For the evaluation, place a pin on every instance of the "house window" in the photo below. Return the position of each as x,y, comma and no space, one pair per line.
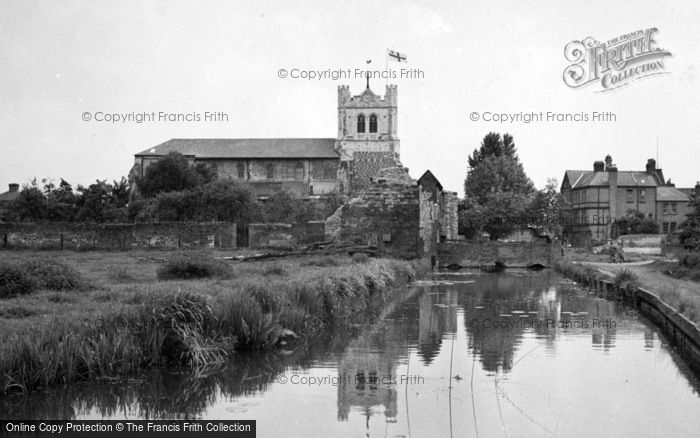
642,195
666,207
361,123
269,171
373,123
673,227
240,170
299,171
630,196
673,208
665,227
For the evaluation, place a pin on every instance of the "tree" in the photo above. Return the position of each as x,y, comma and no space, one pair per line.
172,173
493,146
119,196
223,200
30,204
60,201
286,207
94,201
497,190
634,222
547,209
690,229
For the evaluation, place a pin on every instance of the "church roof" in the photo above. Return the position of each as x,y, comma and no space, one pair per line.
247,148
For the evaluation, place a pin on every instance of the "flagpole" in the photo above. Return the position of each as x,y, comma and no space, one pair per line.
386,60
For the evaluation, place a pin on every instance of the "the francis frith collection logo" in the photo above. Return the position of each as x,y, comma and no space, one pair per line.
616,62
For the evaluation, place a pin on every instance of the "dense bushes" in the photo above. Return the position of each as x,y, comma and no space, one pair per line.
690,260
359,258
191,266
688,266
53,275
14,280
98,202
581,273
25,277
626,279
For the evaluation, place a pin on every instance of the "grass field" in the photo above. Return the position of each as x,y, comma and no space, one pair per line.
126,316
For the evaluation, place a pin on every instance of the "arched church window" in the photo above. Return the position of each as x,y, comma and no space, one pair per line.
361,123
299,171
373,123
269,171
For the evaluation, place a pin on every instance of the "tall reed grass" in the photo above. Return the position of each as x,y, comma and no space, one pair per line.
198,330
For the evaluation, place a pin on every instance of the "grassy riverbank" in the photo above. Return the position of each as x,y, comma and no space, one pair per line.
133,310
682,295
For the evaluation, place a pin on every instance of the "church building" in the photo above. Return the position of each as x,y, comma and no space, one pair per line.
366,143
383,206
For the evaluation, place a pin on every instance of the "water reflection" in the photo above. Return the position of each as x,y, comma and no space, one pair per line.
512,353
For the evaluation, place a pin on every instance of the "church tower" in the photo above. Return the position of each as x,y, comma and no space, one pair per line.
367,122
367,140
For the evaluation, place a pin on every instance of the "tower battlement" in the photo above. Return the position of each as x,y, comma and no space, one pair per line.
367,122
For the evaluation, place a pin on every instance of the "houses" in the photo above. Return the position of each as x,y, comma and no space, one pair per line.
6,199
600,196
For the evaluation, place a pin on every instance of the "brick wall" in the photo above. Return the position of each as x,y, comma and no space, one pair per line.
93,236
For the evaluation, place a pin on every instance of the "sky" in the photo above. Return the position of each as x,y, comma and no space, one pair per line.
59,60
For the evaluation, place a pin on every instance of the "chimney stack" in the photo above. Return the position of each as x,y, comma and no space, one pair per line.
608,161
651,166
14,188
598,166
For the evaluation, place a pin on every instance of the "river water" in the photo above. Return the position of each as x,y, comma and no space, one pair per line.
464,354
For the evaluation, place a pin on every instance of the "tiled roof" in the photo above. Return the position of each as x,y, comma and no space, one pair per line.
671,194
8,196
583,178
247,148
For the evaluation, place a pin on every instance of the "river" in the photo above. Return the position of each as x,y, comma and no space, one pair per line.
463,354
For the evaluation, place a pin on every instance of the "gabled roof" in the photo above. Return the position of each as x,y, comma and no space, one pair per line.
428,177
247,148
670,194
588,178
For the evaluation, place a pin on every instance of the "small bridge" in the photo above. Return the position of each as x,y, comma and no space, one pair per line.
472,254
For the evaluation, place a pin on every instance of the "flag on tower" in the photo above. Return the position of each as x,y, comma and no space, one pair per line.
396,56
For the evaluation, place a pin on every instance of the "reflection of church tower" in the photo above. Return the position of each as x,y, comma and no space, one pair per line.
368,380
367,140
